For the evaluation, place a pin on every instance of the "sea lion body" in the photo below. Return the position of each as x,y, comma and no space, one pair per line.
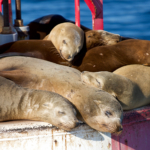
68,39
33,48
110,58
21,103
129,84
99,109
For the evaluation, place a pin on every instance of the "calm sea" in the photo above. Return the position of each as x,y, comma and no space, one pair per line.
125,17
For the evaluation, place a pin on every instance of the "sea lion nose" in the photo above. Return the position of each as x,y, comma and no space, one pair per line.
77,122
69,57
124,38
120,129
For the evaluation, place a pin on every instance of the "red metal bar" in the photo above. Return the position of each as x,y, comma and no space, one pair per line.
1,2
96,8
10,10
77,12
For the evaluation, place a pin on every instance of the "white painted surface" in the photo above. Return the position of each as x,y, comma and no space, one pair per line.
7,38
31,135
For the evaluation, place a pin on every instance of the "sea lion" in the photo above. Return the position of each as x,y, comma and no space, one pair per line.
21,103
101,38
99,109
42,26
110,58
129,84
33,48
68,39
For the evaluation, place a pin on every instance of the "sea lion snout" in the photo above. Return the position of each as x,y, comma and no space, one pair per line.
90,79
118,131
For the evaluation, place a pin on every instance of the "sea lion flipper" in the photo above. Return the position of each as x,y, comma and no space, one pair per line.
18,76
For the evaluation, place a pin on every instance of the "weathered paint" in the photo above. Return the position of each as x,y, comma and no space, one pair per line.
96,8
136,131
10,10
25,135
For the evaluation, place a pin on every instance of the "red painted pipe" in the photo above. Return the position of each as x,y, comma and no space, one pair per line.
96,8
77,12
1,2
10,10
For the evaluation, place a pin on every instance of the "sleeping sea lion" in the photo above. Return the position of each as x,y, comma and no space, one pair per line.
96,38
68,39
110,58
99,109
21,103
129,84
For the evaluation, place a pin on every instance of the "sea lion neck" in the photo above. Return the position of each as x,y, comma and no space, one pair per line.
77,61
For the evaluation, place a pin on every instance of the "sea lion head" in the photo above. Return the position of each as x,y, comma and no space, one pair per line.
68,40
58,111
108,115
117,85
95,79
100,38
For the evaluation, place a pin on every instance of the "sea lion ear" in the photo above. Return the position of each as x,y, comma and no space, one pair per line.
98,102
20,77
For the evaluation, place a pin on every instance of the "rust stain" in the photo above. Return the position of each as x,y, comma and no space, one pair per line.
55,143
23,132
65,143
52,139
109,145
126,142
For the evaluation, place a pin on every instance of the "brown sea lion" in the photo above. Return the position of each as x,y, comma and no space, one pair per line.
21,103
99,109
129,84
42,26
110,58
33,48
101,38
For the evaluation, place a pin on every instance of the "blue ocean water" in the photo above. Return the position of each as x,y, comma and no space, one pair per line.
125,17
